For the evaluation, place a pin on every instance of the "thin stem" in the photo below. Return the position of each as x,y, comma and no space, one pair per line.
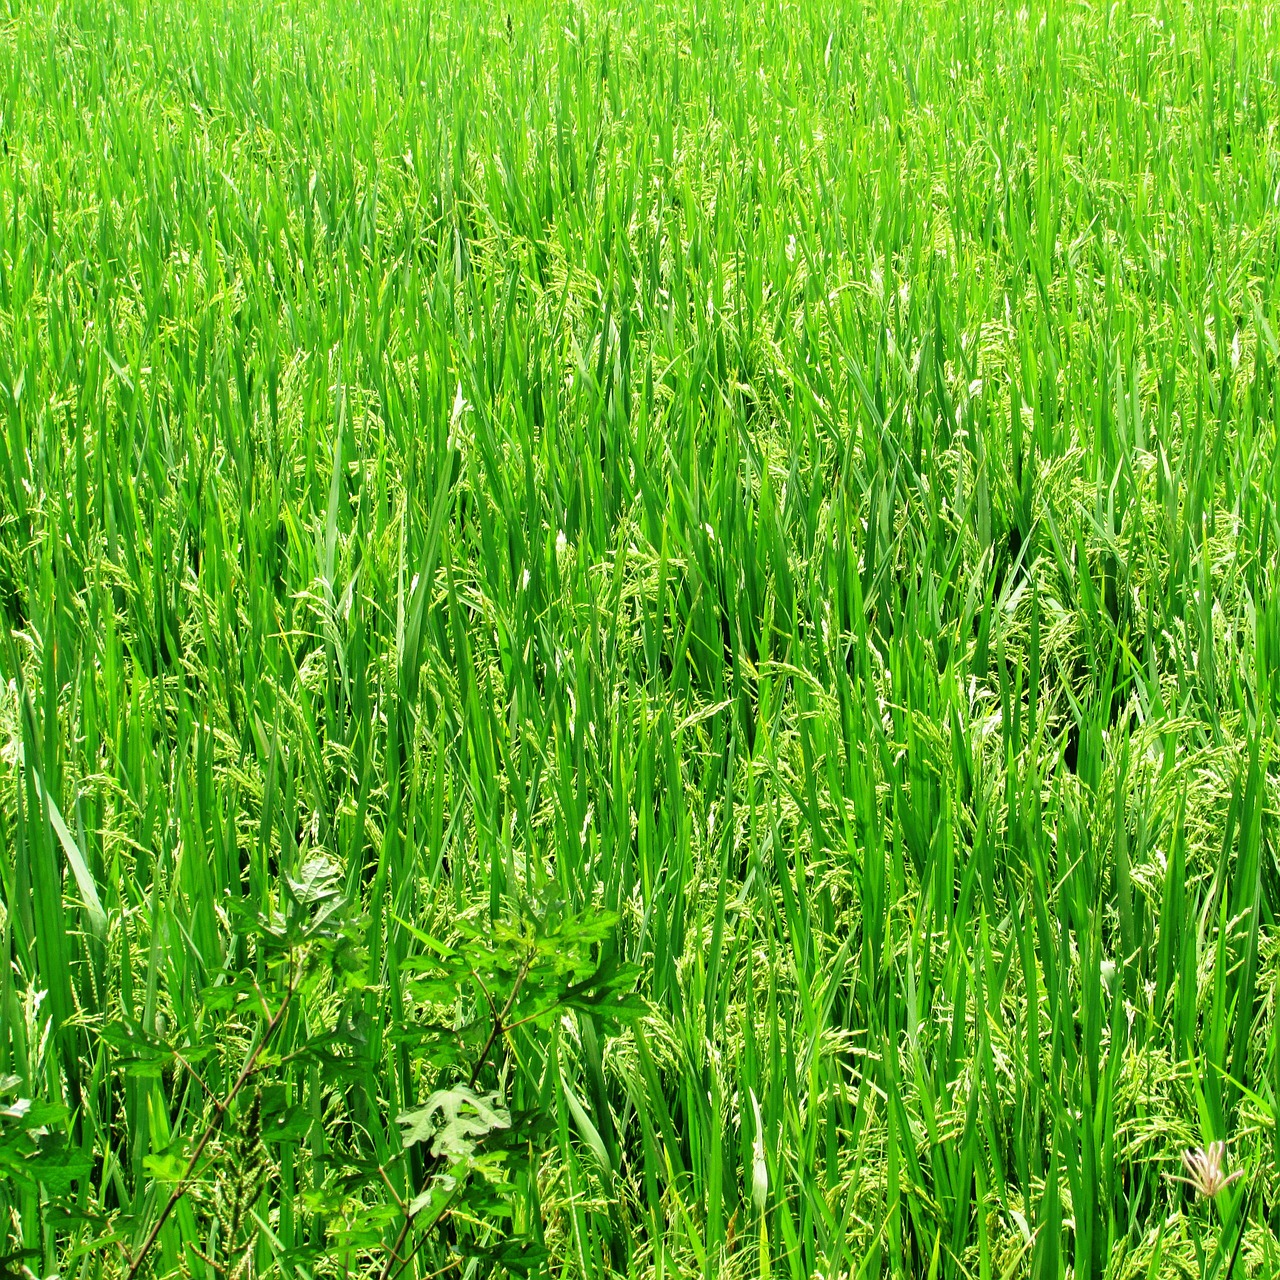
413,1253
1244,1222
499,1019
220,1109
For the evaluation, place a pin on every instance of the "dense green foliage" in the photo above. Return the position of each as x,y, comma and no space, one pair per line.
638,642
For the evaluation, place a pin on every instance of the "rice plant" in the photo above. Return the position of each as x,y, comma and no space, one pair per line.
639,641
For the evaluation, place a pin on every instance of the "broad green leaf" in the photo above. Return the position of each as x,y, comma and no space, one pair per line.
452,1121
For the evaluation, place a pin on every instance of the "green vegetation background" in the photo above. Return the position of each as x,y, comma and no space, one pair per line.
762,517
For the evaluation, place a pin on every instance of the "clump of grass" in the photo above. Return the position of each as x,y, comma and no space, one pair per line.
774,505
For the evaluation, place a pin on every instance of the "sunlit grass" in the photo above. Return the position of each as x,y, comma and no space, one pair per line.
802,478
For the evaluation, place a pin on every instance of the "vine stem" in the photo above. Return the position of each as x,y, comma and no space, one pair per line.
499,1026
220,1109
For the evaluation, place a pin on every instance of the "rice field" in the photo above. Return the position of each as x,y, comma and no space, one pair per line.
639,641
